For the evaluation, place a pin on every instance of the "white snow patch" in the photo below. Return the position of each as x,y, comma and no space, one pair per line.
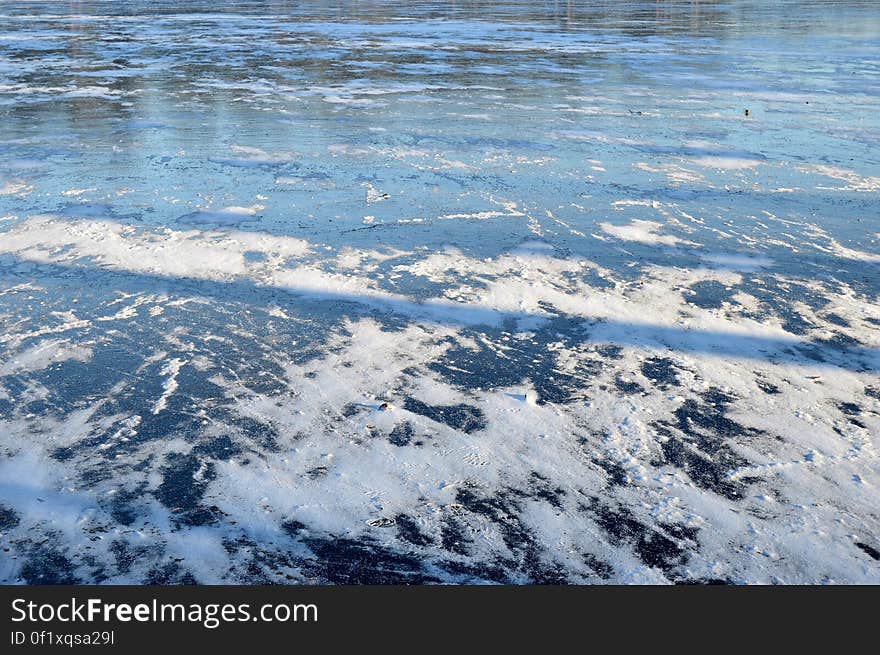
170,369
855,182
641,231
43,355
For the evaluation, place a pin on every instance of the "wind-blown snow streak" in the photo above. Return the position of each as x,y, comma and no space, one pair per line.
517,294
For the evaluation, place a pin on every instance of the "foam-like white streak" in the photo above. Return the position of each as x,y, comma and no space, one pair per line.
169,386
210,255
233,214
727,163
673,172
249,156
737,262
44,354
68,320
855,182
15,188
89,91
351,102
838,249
641,231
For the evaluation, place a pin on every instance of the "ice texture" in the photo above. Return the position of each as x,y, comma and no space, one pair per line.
428,292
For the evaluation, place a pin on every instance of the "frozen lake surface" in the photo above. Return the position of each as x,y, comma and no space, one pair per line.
439,292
